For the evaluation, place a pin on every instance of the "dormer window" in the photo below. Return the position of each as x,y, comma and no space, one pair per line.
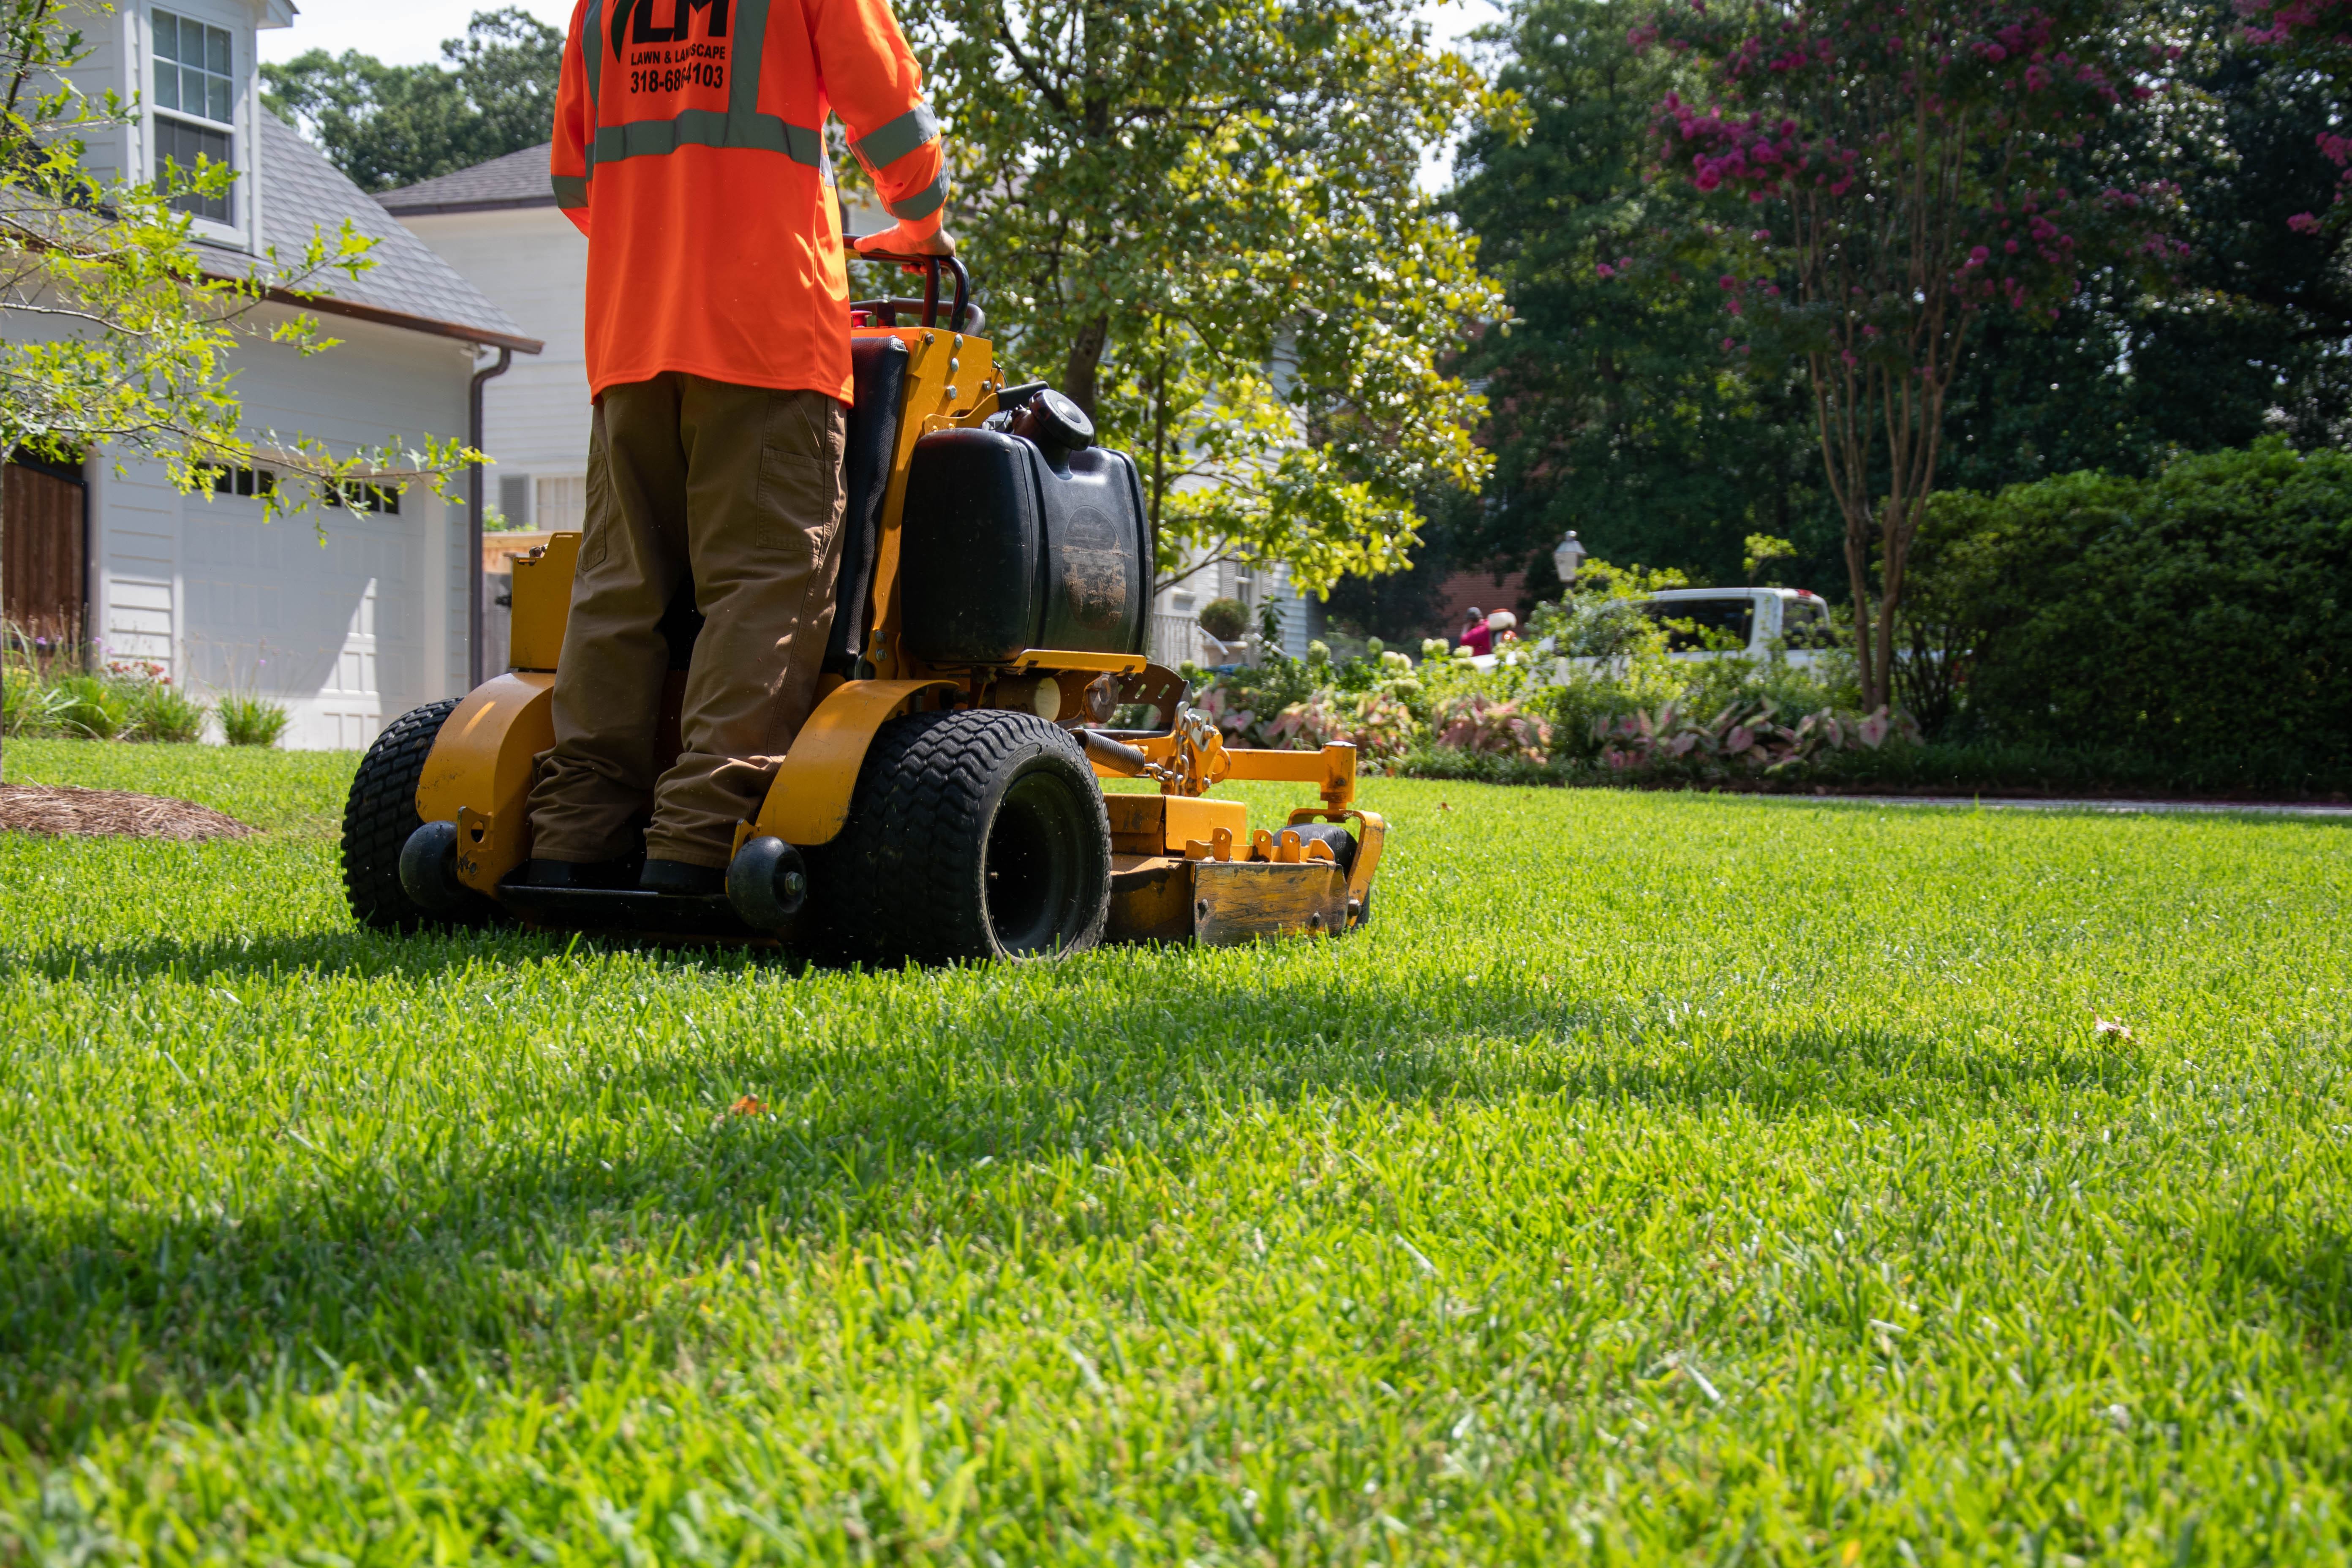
194,94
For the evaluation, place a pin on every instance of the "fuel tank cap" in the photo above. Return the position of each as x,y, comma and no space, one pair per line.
1052,420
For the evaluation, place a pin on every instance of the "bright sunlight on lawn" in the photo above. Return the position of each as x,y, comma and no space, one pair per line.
1660,1172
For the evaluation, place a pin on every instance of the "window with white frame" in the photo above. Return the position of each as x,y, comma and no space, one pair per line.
194,99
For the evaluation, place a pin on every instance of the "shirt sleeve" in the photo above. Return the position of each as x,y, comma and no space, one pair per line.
575,120
877,88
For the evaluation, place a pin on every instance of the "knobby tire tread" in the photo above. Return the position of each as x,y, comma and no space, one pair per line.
906,876
380,814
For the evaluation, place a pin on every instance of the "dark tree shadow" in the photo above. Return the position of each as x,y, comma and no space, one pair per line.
436,1253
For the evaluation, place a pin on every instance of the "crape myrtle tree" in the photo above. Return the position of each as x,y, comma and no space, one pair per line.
2255,338
1884,177
1201,220
118,339
2313,35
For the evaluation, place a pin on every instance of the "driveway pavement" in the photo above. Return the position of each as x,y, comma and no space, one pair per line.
2114,807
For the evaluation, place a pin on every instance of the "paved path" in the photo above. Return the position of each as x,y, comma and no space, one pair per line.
2119,807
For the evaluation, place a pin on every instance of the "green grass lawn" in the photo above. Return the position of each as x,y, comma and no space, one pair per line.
1661,1177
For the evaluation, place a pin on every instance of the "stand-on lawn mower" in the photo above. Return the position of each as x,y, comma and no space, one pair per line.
943,800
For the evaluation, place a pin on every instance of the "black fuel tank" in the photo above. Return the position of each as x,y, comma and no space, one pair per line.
1003,550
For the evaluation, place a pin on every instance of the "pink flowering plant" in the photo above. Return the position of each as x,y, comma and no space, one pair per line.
1743,738
1380,726
2315,36
1881,178
1482,725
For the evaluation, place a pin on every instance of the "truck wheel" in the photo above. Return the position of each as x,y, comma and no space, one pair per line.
379,818
976,833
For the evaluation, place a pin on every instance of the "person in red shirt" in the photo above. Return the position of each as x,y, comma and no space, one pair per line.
1477,634
690,150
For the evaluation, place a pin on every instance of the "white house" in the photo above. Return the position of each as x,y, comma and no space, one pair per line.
349,630
498,224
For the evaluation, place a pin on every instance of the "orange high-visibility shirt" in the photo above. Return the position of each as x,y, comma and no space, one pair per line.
690,148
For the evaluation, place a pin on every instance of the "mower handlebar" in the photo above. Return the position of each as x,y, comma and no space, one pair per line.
930,265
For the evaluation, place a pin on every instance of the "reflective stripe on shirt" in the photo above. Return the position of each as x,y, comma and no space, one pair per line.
884,147
923,202
741,124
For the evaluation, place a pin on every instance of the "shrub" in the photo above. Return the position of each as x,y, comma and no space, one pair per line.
1380,726
1746,737
152,708
1477,723
88,707
29,705
249,720
1224,619
1544,711
2200,615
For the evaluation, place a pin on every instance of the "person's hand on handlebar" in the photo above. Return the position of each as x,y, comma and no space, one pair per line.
903,239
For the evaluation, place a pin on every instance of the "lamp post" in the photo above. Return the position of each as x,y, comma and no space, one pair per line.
1567,557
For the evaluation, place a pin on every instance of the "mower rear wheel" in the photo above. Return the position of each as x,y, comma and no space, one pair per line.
378,819
975,833
1342,845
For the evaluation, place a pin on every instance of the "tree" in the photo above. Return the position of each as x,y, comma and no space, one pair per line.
388,126
1883,179
2313,36
2252,339
118,337
1203,220
1612,412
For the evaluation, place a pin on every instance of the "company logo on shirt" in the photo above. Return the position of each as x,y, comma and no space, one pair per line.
633,21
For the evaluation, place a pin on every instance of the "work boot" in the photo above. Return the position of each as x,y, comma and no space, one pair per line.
620,873
683,878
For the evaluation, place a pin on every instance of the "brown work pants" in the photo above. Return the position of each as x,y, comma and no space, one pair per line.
741,486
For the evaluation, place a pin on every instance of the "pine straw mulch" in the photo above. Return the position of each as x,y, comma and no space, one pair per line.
65,810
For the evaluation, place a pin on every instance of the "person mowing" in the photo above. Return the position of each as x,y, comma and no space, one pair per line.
689,149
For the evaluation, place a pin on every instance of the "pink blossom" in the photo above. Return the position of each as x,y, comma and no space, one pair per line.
1605,271
2304,223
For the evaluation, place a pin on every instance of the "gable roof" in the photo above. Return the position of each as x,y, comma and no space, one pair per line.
409,286
517,180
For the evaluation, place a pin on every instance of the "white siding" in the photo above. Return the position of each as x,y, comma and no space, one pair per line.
121,61
533,265
348,621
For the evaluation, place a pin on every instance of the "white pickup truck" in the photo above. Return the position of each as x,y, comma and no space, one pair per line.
1754,618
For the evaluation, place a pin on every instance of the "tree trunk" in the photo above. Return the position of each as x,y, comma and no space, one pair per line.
1084,359
1857,575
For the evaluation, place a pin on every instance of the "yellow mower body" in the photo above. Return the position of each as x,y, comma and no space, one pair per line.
1182,865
